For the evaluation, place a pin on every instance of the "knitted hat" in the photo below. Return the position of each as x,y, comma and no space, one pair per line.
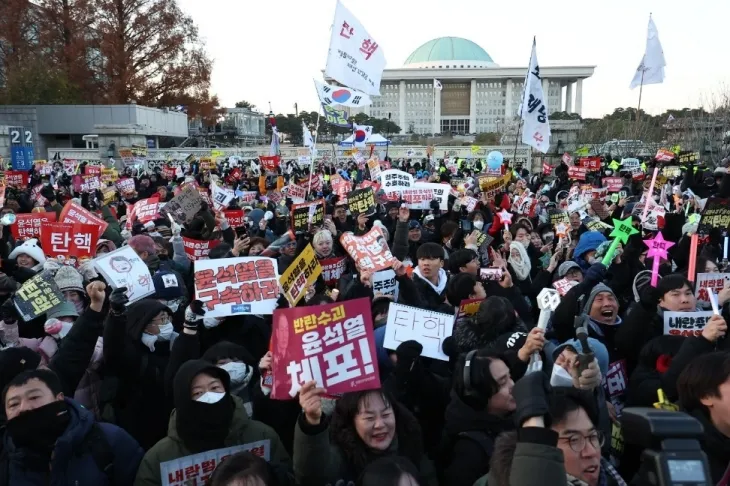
140,243
107,244
167,285
30,248
14,361
64,309
68,278
592,296
565,267
598,348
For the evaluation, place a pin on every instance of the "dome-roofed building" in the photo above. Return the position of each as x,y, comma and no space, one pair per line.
476,96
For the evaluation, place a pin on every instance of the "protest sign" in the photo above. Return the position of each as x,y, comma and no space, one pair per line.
369,251
28,225
361,201
558,216
247,196
429,328
716,214
16,178
685,323
671,171
109,194
299,275
37,295
332,269
440,192
235,286
467,308
270,163
74,213
304,215
90,183
109,175
35,195
630,163
374,168
685,157
125,185
546,169
706,281
198,249
70,244
184,206
143,211
664,155
564,285
491,186
124,268
235,217
613,184
331,344
207,163
196,469
590,163
385,284
296,193
395,180
168,172
339,185
221,197
469,203
577,173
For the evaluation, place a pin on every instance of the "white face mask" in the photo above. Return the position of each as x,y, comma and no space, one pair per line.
165,332
173,305
479,224
560,377
239,372
210,397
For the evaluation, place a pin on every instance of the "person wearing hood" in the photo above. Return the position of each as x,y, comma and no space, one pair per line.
207,417
427,289
257,216
170,290
51,439
137,341
29,255
585,250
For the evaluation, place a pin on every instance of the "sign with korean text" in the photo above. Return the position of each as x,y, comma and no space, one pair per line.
125,185
90,183
247,196
16,178
564,285
184,206
686,323
339,185
331,344
207,163
385,284
590,163
143,211
374,168
37,296
361,201
237,286
332,269
110,175
685,157
577,173
124,268
196,469
296,193
198,249
109,194
664,155
235,217
270,163
467,308
299,275
491,186
613,184
92,170
671,171
74,213
70,244
221,196
429,328
369,251
304,215
28,225
716,214
706,281
395,180
615,383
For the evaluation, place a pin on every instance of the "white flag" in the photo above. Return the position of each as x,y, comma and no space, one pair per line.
361,134
307,137
437,84
340,95
536,128
651,68
355,59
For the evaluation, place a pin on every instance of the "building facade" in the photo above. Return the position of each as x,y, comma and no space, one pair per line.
237,126
477,95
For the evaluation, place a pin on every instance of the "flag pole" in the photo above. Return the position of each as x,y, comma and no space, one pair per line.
517,139
311,152
641,89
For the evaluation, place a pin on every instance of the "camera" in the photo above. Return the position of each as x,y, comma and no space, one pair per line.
672,455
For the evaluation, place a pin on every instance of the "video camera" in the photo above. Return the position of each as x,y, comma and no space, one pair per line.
672,455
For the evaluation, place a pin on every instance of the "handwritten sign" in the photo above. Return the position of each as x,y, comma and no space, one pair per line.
407,323
124,268
706,281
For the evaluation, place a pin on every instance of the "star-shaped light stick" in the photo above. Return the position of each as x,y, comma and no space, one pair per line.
505,218
620,234
657,249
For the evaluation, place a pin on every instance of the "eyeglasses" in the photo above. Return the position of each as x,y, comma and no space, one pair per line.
578,442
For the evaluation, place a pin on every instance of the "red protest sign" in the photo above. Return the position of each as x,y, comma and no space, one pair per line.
331,344
235,217
198,249
577,173
92,170
74,213
70,244
16,178
29,225
332,269
168,173
370,251
613,184
591,163
144,210
546,169
270,163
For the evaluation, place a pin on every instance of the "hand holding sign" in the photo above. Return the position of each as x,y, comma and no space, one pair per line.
658,247
622,230
505,218
547,300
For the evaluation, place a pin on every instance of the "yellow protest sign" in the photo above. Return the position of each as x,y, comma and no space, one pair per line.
300,275
216,153
109,175
207,163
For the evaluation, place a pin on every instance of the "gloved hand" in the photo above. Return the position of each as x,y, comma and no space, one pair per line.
194,313
531,393
118,300
589,379
648,298
126,234
408,351
88,271
8,312
176,229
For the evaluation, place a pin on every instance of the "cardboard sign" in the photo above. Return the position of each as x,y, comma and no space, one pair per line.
685,323
184,206
385,284
577,173
429,328
304,215
369,251
714,281
196,469
395,180
613,184
198,249
70,244
332,269
28,225
124,268
467,308
74,213
16,178
564,285
716,214
37,295
299,275
590,163
236,286
331,344
361,201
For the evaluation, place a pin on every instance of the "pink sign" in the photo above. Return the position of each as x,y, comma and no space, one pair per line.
332,269
613,184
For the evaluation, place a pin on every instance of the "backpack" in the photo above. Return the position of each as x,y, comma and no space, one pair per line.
95,443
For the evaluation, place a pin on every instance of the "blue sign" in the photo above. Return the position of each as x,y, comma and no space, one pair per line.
150,143
21,148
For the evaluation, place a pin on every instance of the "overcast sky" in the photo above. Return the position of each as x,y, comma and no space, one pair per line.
270,51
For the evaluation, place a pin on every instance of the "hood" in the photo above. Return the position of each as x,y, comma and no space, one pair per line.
139,314
443,279
227,349
255,217
462,418
589,241
238,425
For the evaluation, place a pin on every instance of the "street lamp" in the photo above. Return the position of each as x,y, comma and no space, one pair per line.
111,150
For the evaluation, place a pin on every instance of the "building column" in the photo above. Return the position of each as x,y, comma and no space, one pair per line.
569,98
473,107
437,112
560,98
579,97
508,113
402,107
546,94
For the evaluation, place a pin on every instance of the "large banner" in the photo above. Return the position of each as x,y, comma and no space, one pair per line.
299,275
429,328
124,268
235,286
70,244
331,344
370,251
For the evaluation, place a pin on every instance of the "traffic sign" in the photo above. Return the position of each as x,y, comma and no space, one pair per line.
21,148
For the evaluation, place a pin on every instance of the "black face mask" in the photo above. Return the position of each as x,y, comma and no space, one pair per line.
204,426
40,428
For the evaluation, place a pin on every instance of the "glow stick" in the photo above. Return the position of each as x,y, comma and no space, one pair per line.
692,257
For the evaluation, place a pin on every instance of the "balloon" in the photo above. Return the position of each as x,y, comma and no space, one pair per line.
494,159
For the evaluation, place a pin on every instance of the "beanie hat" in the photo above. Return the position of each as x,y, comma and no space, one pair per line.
14,361
167,285
140,243
68,278
592,296
30,248
64,309
598,348
565,267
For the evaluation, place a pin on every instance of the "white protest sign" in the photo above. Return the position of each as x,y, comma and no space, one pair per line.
124,268
563,285
706,281
685,323
221,197
296,193
429,328
630,163
395,180
384,283
197,468
374,167
440,192
237,286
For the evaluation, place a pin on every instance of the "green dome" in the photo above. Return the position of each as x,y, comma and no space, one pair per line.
444,49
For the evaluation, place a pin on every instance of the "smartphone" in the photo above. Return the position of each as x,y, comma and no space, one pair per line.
491,273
